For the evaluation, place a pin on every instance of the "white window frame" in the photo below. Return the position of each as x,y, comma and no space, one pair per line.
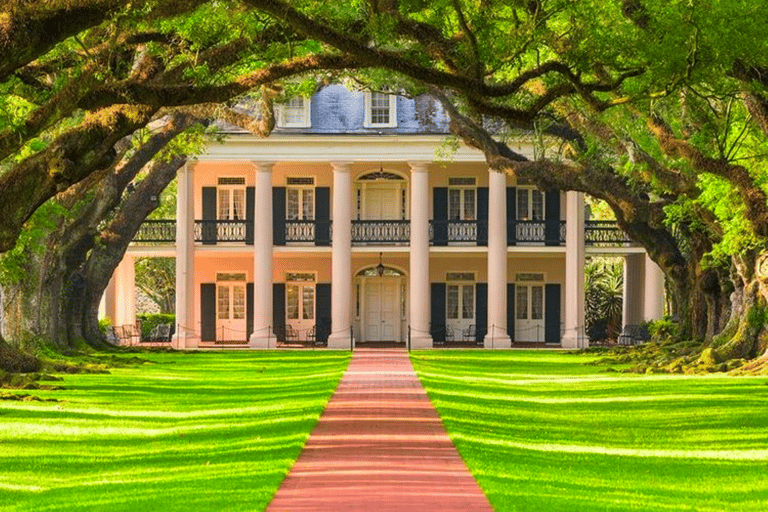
392,111
302,191
306,114
529,193
231,188
463,214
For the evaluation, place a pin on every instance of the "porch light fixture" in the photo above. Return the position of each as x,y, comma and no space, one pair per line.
380,267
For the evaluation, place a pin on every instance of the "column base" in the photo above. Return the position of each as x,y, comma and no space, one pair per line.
340,342
572,340
179,342
498,340
421,343
261,342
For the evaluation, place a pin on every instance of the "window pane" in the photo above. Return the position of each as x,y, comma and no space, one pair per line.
223,302
294,111
308,204
454,204
468,301
238,204
292,204
223,204
452,302
521,303
537,302
292,302
522,204
379,108
308,303
469,204
238,302
537,205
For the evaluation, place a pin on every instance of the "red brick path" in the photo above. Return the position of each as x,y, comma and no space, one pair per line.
379,446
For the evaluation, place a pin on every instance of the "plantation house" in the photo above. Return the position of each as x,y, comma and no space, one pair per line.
343,224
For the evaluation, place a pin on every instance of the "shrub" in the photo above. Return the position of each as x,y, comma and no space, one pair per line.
151,320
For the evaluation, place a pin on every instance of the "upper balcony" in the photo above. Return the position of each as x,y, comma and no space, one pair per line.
385,233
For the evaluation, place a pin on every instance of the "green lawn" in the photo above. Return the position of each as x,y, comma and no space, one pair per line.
541,431
188,431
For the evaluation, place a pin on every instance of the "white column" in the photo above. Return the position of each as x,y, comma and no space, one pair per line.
497,336
263,333
125,292
574,336
633,294
653,308
186,335
107,304
341,258
419,257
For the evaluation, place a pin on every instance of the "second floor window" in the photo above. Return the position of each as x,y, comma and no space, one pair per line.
231,199
462,204
300,199
530,204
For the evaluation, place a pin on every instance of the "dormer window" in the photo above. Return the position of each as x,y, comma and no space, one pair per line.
294,114
380,110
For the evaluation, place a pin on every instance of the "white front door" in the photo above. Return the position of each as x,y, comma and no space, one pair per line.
381,310
230,312
529,312
300,307
460,309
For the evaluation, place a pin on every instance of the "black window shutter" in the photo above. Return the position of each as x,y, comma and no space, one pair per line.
482,216
207,312
552,217
437,315
511,215
250,194
323,216
322,311
440,222
209,215
552,313
511,310
278,310
278,215
248,310
481,311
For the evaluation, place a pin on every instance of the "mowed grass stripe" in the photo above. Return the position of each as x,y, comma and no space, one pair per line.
186,431
583,440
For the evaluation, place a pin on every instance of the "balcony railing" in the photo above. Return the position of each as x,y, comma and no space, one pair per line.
597,233
604,233
381,231
213,231
156,232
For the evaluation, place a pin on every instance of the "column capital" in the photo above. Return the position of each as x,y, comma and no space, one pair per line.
263,166
419,166
341,166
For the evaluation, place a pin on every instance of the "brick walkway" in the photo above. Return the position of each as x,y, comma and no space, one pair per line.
379,446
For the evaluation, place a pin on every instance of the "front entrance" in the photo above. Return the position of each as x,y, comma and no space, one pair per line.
529,312
230,307
382,319
380,305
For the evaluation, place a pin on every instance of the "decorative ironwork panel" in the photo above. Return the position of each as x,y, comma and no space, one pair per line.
381,231
562,232
220,230
462,231
299,230
530,231
604,233
156,231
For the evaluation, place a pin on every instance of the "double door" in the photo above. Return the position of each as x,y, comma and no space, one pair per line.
529,312
381,317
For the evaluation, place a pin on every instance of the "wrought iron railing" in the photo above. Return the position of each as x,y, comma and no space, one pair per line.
156,231
604,233
212,231
381,231
597,233
299,230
